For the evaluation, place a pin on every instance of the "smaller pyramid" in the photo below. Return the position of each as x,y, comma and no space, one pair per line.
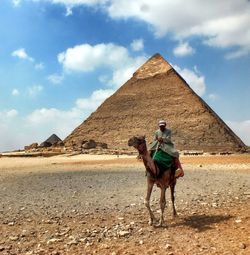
53,139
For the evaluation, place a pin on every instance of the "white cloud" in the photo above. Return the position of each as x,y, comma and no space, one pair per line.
39,66
9,129
242,129
122,74
15,92
52,120
21,53
56,78
41,123
11,113
36,127
137,45
8,114
87,58
70,4
223,23
94,100
35,90
77,2
103,79
193,78
183,49
213,97
16,3
68,11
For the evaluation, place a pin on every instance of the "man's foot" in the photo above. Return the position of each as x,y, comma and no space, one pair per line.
179,173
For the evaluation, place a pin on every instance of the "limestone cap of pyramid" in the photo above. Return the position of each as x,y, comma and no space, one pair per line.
155,65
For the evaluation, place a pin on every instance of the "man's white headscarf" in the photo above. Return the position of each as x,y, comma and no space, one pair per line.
162,123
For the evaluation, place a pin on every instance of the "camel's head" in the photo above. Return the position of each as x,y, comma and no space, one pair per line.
137,141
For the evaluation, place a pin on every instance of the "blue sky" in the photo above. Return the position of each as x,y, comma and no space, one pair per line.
60,59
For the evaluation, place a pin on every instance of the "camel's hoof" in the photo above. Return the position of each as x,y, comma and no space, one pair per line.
151,222
160,225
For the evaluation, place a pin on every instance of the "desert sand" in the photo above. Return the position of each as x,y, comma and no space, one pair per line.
93,204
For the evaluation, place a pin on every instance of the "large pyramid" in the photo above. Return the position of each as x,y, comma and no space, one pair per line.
156,91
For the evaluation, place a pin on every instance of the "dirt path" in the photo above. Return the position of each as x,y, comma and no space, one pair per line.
98,208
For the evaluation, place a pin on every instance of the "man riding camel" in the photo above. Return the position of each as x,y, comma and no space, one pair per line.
163,149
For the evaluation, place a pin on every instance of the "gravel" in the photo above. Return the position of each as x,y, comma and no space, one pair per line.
100,210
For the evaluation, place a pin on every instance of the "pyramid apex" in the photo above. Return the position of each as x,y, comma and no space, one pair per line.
155,65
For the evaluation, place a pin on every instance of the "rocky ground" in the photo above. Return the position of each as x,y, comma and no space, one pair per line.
70,207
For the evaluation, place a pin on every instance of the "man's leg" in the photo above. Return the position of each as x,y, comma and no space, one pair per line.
179,170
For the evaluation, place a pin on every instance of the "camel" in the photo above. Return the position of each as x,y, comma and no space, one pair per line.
155,175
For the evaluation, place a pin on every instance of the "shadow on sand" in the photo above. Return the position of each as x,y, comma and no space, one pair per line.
202,222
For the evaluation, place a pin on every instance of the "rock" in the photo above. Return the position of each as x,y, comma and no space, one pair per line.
13,238
123,233
83,240
24,233
102,145
64,232
73,242
89,144
29,253
54,240
31,146
55,253
88,244
141,242
2,248
242,246
105,246
168,246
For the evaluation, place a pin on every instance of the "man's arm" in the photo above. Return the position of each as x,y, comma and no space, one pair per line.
167,137
156,137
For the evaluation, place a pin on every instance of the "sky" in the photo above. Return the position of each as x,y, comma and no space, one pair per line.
60,59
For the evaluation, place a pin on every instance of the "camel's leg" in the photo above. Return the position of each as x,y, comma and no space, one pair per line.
162,204
172,199
150,185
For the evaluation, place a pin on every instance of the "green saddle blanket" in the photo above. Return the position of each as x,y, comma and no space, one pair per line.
163,159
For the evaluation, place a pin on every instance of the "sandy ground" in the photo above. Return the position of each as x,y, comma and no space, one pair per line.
94,205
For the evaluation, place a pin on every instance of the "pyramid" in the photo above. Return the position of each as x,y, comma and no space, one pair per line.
53,139
156,91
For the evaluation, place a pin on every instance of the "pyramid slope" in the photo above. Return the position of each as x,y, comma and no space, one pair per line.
151,95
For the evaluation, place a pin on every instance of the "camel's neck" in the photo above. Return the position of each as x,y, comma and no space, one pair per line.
149,162
144,153
146,156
